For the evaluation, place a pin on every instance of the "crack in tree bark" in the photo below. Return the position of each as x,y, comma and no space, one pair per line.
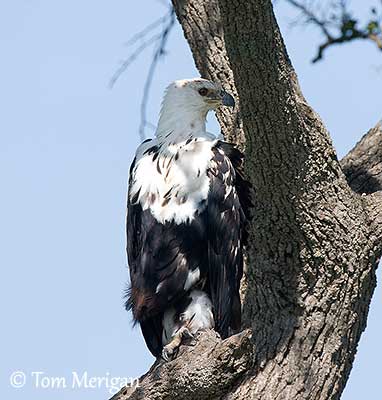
315,240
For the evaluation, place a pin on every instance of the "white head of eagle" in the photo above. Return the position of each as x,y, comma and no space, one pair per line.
188,205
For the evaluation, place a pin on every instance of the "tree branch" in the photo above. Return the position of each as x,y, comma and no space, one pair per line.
311,16
146,39
374,209
200,372
363,165
363,169
355,34
340,27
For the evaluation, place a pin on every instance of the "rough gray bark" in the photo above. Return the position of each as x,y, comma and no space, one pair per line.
315,241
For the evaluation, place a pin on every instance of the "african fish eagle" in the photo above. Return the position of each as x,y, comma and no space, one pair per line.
188,205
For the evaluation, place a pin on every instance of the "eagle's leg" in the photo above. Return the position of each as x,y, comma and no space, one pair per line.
171,349
186,322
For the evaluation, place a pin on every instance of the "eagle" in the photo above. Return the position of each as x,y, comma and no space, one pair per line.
187,212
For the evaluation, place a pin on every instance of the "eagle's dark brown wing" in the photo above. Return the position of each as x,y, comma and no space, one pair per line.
228,207
160,257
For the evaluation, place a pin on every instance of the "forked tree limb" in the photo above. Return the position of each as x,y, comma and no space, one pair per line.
314,241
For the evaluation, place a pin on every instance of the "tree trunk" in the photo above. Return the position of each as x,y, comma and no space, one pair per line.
315,239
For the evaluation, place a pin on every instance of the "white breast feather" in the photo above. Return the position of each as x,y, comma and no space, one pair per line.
183,180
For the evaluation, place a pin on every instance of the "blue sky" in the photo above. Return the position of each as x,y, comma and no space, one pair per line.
66,142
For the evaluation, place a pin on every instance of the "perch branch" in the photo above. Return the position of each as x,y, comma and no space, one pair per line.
200,372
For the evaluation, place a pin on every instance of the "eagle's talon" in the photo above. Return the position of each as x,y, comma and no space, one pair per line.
169,352
186,333
164,356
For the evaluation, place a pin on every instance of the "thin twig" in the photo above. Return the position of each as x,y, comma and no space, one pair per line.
341,27
311,16
147,38
129,60
159,52
140,35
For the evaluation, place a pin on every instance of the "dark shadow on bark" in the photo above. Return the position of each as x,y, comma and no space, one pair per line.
361,180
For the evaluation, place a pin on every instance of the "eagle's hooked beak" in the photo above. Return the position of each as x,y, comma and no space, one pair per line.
227,99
